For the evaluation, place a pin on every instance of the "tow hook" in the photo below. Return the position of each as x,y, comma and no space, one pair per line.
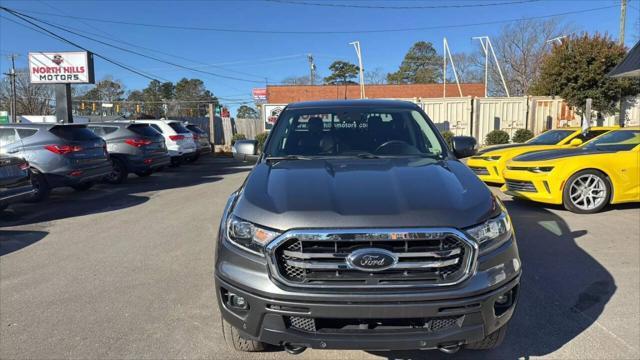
294,349
449,349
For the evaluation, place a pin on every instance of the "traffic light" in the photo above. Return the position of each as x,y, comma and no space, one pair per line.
117,108
93,106
218,110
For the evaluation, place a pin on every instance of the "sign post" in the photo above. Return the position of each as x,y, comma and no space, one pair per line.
61,69
63,103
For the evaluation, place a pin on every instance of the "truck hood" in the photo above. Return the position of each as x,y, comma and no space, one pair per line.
364,193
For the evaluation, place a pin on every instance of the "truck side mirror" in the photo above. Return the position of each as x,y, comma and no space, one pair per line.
464,146
245,150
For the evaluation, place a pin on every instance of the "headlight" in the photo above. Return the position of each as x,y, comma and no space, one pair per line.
541,169
249,236
493,233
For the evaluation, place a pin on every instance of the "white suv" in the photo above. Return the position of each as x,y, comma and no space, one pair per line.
178,138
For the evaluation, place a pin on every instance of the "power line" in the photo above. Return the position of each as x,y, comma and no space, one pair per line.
323,32
396,7
63,39
138,46
132,51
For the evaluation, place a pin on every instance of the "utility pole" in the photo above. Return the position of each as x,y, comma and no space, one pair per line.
12,75
623,20
312,70
356,45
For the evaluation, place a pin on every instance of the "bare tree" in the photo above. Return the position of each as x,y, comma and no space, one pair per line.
375,76
520,48
296,80
31,99
467,67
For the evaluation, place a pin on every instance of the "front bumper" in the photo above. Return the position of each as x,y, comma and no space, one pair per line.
487,171
271,306
548,189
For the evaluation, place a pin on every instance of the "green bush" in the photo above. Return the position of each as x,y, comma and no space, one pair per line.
497,137
448,137
261,138
522,135
237,137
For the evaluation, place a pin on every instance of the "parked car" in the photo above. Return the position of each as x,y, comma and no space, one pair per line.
491,161
203,145
179,140
133,148
605,170
58,154
15,181
359,229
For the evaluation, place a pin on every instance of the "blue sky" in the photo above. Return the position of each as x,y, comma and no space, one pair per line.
256,56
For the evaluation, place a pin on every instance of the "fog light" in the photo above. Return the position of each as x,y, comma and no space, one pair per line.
148,161
237,301
502,299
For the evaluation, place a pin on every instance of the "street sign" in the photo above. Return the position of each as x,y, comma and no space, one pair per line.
61,67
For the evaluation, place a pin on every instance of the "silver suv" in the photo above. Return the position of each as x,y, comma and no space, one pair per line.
58,154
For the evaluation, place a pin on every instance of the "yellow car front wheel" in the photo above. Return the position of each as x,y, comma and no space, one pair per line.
586,192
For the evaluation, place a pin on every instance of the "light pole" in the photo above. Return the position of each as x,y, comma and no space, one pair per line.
356,45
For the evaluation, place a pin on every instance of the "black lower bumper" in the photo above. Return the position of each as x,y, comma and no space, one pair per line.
76,176
21,192
274,321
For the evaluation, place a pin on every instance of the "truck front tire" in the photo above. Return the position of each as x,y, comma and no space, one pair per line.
239,343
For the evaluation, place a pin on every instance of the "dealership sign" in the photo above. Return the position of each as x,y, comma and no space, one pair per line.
259,95
61,67
271,113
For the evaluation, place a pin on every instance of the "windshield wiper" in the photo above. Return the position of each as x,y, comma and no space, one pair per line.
287,157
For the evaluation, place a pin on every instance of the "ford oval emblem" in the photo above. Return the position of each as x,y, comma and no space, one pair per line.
371,259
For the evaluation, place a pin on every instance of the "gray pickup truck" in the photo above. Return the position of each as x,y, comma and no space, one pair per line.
358,228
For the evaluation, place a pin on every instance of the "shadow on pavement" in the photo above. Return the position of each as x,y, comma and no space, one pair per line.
67,203
563,289
14,240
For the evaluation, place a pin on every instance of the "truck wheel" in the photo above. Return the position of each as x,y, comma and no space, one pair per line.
119,173
40,185
586,192
83,186
236,342
490,342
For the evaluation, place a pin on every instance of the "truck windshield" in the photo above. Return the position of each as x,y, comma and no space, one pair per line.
353,131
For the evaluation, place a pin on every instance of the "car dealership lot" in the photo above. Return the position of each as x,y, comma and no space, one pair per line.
126,272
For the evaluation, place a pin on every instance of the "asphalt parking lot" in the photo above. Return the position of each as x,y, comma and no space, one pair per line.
126,272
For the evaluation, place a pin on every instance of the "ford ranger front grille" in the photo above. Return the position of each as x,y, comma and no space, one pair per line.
417,258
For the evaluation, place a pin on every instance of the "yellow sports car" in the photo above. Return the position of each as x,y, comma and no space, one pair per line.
489,162
605,170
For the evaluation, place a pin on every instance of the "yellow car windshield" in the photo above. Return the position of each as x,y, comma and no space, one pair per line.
621,140
551,137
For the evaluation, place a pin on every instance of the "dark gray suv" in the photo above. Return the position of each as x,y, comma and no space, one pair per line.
133,148
59,154
359,229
